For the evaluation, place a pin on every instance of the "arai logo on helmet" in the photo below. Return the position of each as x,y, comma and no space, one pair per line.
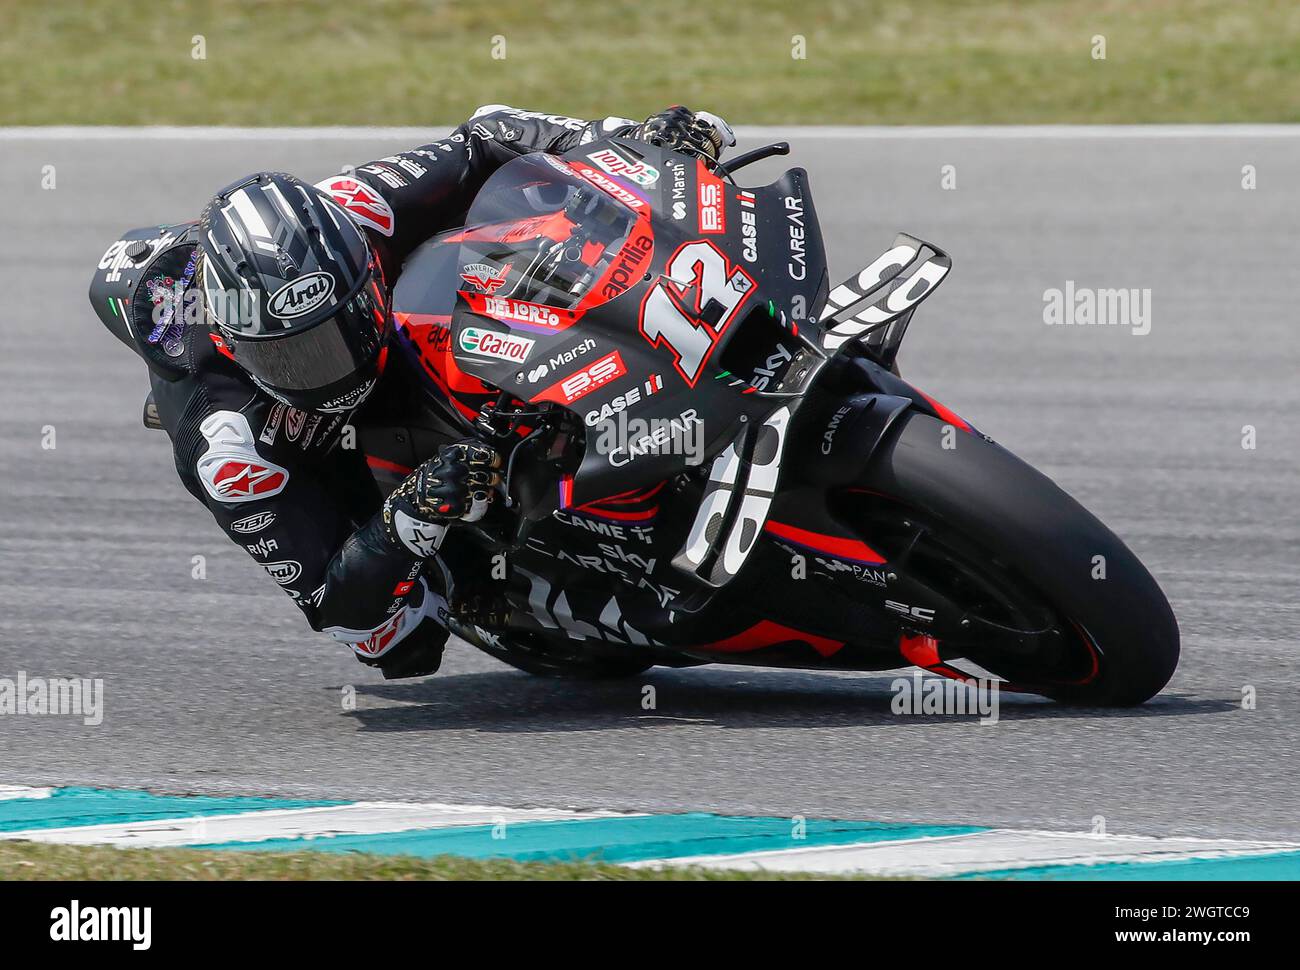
301,296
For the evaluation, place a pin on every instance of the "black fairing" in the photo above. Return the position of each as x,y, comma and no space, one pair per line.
767,240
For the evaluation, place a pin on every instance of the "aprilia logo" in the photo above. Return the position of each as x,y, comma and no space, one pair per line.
627,271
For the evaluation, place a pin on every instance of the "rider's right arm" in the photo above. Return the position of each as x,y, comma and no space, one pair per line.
326,548
405,198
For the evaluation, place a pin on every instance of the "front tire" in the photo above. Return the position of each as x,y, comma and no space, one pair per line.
1022,521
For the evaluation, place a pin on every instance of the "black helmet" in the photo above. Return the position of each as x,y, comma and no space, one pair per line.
295,291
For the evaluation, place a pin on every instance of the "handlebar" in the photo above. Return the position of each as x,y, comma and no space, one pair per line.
748,158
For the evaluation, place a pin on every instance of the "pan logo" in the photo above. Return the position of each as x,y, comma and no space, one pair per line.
301,296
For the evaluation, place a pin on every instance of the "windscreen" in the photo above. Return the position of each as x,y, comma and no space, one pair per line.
538,232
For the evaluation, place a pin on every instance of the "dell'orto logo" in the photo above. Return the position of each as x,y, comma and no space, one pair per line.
301,296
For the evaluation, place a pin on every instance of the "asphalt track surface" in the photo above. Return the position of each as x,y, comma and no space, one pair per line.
217,686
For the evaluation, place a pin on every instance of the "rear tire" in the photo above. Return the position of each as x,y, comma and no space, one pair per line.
1019,517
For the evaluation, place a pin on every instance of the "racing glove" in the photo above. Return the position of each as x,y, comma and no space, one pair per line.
680,129
455,485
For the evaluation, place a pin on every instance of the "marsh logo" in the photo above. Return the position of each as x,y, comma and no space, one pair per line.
678,189
301,296
98,924
1085,306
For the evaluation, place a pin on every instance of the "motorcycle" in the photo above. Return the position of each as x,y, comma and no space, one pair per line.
712,458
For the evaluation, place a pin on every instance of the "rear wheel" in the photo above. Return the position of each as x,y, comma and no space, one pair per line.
1052,600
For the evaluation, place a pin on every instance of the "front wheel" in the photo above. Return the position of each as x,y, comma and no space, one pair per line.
1053,600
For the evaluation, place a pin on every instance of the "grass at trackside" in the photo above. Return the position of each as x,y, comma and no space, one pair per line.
313,62
37,861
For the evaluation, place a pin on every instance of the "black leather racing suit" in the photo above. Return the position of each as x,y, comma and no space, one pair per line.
292,487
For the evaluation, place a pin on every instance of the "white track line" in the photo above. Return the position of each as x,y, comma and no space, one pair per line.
423,133
361,818
997,849
10,792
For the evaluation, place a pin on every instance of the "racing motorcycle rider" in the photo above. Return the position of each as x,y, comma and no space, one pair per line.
264,398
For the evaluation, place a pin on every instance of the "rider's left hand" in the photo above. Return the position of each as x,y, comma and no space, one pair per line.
697,133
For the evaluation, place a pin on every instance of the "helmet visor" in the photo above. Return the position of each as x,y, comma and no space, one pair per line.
322,354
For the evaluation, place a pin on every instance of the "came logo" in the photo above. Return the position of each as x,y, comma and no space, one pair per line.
493,343
301,296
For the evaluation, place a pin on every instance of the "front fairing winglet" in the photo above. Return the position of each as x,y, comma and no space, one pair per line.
742,483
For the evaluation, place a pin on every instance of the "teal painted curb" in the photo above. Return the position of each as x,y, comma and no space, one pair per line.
611,839
1278,866
67,807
